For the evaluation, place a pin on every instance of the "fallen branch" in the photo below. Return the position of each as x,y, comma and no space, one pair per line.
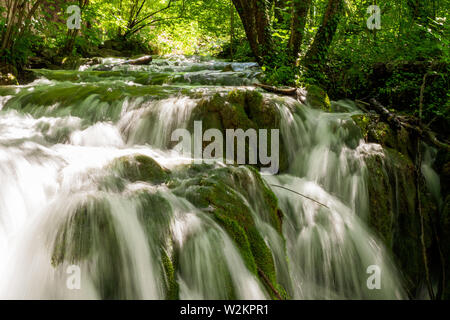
286,92
269,284
397,122
275,185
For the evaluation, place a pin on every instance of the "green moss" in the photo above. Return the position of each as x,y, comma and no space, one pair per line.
240,109
316,97
225,194
172,288
362,121
140,168
89,235
71,63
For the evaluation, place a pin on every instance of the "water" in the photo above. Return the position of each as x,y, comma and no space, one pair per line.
62,204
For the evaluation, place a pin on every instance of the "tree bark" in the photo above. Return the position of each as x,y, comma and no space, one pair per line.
72,34
300,9
318,51
254,15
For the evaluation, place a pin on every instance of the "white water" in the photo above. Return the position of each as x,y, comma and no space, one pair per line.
52,163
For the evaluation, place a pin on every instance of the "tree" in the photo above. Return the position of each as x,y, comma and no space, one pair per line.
72,34
300,9
19,14
254,15
144,13
322,41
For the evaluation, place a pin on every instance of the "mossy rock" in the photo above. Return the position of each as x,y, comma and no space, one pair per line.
8,76
172,287
106,53
228,194
393,213
377,131
228,68
240,109
317,98
89,236
140,168
71,63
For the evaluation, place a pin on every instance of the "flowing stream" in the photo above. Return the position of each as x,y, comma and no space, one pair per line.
59,135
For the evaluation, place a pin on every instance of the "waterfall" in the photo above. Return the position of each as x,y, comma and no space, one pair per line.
63,202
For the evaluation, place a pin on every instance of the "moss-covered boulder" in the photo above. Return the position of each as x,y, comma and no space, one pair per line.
8,76
71,63
236,198
393,213
106,53
229,195
393,192
317,98
373,129
90,236
140,168
240,109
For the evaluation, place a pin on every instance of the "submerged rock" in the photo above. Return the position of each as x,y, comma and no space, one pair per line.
237,199
230,196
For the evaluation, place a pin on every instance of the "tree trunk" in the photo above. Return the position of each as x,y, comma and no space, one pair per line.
318,51
72,34
231,29
254,15
421,11
300,9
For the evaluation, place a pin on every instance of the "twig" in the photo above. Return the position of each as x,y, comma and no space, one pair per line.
287,91
419,129
275,185
269,284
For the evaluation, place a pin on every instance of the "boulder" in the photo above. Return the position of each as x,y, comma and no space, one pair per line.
229,195
393,200
8,76
317,98
240,109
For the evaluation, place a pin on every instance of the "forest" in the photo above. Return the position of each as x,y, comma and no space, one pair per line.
351,97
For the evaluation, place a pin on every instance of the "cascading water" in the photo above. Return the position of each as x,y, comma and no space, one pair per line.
64,202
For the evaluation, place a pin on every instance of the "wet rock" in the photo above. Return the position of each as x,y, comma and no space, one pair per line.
374,130
393,202
229,195
228,68
240,109
71,63
316,97
8,76
140,168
